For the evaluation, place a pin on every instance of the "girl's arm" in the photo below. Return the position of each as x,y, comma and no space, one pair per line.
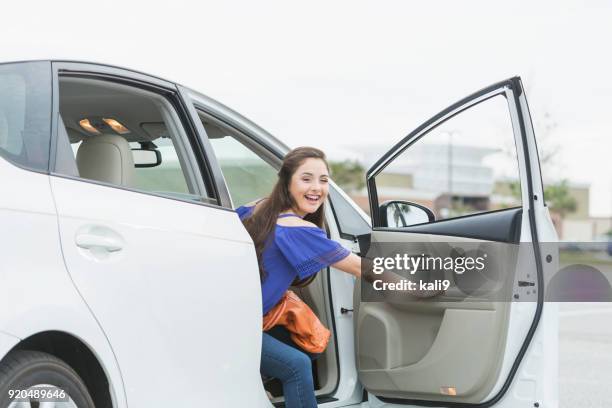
351,264
355,264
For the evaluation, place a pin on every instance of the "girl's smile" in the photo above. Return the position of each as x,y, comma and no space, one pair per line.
309,186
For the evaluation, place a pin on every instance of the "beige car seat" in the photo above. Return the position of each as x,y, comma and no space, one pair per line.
106,158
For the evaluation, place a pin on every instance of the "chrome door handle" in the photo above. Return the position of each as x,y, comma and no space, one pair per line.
89,241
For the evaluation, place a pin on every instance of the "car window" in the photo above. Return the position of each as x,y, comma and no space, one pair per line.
351,224
25,114
247,175
168,176
467,165
128,137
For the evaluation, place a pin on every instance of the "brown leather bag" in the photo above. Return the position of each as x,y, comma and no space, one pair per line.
306,329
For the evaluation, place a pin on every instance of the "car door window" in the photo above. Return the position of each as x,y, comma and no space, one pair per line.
128,137
247,175
25,114
168,176
466,165
351,223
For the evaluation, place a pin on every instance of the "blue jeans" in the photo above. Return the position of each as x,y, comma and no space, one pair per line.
292,367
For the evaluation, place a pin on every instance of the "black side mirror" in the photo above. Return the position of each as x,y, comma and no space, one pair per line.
398,214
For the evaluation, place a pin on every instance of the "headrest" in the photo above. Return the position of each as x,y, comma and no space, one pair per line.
106,158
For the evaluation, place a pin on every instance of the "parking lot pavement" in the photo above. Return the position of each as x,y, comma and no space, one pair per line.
585,355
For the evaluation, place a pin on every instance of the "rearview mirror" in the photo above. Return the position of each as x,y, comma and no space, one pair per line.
146,157
398,214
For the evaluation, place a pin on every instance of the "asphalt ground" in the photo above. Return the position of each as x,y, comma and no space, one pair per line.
585,355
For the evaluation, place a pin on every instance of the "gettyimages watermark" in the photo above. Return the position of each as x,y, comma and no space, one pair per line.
455,271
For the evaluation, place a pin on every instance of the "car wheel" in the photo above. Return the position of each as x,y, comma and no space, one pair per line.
32,373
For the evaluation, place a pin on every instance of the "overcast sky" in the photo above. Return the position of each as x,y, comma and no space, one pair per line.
336,74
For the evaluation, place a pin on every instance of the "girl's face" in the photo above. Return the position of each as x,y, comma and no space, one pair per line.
309,186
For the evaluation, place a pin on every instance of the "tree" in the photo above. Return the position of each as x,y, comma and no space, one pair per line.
559,199
560,202
348,174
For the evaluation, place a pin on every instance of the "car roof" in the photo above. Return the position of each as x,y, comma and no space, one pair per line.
224,112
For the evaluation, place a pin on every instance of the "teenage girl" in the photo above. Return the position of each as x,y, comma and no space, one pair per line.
287,229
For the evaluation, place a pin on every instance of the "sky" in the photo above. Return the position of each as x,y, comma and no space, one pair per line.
344,75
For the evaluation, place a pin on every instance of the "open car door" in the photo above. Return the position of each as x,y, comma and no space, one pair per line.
474,167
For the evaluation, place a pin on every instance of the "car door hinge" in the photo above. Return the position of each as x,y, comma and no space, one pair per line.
344,310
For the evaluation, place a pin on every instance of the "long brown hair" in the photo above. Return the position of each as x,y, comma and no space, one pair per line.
261,223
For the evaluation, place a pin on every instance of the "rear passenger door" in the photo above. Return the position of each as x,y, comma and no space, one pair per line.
147,243
475,167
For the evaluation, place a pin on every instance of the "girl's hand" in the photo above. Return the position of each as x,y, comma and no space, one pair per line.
355,264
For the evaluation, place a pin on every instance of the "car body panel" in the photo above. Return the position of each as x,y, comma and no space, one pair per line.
7,342
35,287
167,290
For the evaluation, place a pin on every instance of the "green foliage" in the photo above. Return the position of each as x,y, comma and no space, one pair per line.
558,198
515,189
348,174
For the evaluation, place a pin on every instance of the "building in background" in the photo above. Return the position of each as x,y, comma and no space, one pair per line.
454,180
451,180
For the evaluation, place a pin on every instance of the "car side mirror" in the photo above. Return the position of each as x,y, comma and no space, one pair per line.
146,157
399,214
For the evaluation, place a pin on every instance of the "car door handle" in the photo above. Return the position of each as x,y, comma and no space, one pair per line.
89,241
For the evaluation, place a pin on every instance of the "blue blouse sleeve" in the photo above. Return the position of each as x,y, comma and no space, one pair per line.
244,211
308,249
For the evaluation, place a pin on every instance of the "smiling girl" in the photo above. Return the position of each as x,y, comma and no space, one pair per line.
287,229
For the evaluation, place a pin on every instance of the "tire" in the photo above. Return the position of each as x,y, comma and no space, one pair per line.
22,369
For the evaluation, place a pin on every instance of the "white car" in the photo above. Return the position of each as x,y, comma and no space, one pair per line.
127,279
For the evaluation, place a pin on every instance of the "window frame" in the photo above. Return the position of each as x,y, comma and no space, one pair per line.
344,211
245,140
228,118
195,157
504,89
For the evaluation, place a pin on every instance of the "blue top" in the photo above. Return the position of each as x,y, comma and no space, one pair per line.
295,252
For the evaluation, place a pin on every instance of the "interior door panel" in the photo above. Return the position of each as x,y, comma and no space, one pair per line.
499,226
418,349
315,295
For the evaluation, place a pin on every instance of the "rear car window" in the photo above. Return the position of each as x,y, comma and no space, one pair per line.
25,114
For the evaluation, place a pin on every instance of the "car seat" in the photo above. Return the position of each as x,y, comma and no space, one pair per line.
106,158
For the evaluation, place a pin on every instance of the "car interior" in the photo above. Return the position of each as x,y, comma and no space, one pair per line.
117,134
132,138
